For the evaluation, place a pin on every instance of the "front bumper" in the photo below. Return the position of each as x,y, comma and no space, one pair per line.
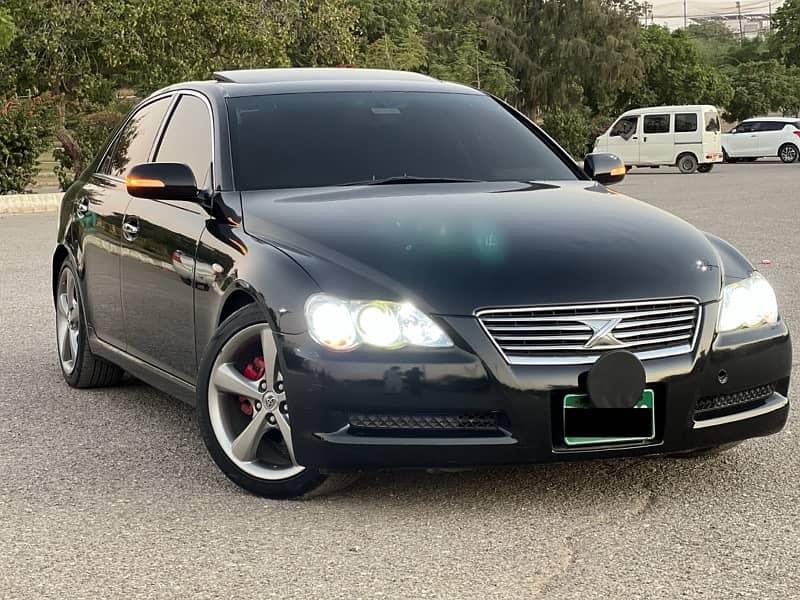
448,408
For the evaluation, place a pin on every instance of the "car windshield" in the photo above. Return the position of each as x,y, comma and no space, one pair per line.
339,138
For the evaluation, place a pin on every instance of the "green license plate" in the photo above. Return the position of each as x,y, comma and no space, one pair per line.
585,424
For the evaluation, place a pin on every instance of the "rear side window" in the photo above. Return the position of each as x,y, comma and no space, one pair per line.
188,138
656,124
685,122
135,141
771,125
712,122
796,124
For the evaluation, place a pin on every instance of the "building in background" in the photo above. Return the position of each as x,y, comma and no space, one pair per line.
748,18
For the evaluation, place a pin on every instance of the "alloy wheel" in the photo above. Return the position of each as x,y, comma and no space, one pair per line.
68,321
788,153
247,406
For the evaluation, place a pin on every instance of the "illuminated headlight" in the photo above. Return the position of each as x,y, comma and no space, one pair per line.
747,303
345,324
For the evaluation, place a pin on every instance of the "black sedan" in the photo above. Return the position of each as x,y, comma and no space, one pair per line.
349,269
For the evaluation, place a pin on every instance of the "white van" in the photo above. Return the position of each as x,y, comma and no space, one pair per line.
684,136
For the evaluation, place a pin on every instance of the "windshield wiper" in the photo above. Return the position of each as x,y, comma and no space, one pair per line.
409,179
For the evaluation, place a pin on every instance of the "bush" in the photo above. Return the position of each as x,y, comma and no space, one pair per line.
27,127
570,128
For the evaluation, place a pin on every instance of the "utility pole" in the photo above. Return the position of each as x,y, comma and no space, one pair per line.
741,27
770,18
685,20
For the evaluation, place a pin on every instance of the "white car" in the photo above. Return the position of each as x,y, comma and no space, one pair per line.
765,136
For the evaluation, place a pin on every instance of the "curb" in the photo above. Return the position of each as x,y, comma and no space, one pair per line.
29,203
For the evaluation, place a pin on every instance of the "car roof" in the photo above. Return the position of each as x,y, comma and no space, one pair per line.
773,119
316,74
255,82
645,110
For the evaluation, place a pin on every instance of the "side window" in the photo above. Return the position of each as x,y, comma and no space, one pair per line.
187,139
685,122
748,127
656,124
712,122
135,141
772,125
625,127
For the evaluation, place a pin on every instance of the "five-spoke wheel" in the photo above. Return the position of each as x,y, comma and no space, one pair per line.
68,321
245,411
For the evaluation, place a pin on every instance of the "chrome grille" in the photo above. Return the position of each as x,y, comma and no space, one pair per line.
579,334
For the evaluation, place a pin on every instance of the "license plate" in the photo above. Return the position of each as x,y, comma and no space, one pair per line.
584,424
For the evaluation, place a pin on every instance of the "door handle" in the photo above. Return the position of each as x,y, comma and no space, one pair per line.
82,207
645,139
130,229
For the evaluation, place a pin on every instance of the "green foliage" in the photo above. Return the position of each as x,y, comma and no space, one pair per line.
26,129
568,52
7,29
786,32
761,87
463,56
321,32
714,42
675,74
570,128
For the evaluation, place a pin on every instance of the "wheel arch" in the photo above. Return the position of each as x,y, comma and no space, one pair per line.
684,153
59,256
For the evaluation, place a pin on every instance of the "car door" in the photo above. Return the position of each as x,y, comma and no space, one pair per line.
158,270
742,141
657,144
100,208
770,137
623,139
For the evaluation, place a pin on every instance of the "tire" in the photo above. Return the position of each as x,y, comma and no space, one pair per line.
687,163
726,158
706,168
704,452
788,153
80,367
244,413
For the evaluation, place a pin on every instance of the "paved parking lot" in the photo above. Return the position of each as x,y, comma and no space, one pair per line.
110,493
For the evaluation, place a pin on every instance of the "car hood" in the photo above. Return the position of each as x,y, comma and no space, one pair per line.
455,248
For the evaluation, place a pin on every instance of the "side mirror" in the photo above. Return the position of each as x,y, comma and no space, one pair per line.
162,181
604,168
733,130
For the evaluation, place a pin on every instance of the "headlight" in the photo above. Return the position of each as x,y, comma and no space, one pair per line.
345,324
747,303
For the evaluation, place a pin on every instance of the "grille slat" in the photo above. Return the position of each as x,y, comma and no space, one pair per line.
575,334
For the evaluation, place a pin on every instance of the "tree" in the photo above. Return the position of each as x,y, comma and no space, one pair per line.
7,29
714,42
568,52
675,74
84,52
320,32
764,86
786,32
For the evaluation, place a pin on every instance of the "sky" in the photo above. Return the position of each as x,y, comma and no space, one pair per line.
670,12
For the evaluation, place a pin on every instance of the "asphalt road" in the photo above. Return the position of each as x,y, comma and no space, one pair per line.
110,493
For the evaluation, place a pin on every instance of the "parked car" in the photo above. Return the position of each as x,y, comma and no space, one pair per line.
766,136
406,274
684,136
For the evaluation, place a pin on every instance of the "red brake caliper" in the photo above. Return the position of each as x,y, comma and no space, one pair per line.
255,372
